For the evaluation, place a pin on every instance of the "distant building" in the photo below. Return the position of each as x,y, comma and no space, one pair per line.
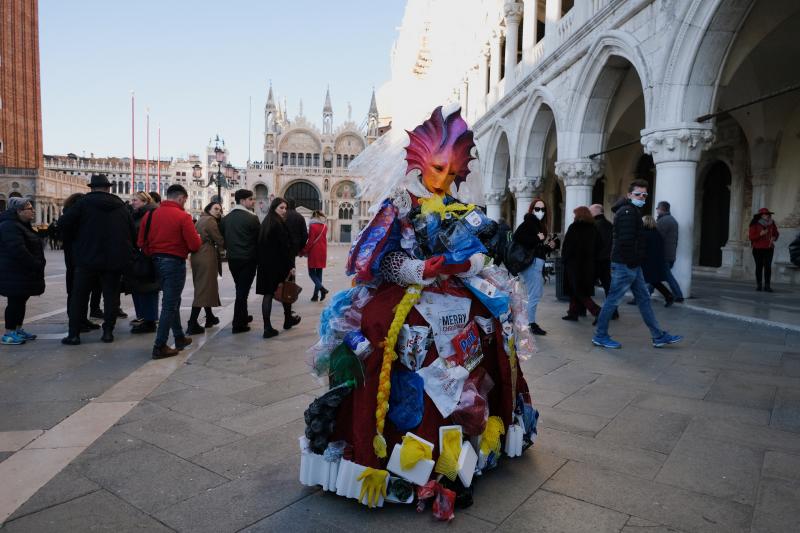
311,165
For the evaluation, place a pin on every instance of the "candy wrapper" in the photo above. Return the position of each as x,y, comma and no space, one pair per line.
467,345
412,346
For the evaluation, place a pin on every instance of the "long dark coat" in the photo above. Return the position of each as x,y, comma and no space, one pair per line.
275,256
205,263
654,266
579,253
21,257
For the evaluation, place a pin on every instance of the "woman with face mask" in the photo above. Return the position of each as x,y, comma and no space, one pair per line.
532,234
205,268
763,233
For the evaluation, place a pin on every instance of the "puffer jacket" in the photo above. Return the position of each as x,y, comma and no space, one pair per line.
629,246
21,257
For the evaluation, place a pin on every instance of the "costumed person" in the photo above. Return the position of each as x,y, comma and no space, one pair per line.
422,353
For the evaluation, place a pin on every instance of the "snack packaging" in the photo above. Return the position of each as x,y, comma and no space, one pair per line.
358,343
412,346
467,345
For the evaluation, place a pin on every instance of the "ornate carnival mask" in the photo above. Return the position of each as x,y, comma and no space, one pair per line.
440,149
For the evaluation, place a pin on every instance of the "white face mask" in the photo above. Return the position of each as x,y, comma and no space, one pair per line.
539,215
638,203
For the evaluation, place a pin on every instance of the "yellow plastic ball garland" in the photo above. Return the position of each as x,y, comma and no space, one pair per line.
410,298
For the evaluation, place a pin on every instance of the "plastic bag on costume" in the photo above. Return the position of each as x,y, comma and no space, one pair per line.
443,500
444,384
406,400
473,406
524,340
495,300
459,243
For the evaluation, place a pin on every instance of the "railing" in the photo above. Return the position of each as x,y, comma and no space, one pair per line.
314,171
566,26
537,53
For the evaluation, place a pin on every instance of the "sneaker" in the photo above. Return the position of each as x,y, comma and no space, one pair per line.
606,342
121,313
12,338
665,338
25,335
136,321
571,318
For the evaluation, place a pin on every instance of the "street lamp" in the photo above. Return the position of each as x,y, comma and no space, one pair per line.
197,173
219,177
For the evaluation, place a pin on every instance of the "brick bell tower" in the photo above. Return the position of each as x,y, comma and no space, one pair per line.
21,159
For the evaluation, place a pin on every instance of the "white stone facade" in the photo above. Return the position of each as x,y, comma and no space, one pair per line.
311,165
641,75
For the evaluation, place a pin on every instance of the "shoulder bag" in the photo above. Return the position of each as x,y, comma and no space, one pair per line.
288,291
142,267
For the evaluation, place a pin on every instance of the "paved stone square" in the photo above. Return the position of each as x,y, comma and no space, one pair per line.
701,436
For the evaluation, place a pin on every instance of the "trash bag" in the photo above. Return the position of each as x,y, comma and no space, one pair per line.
345,367
320,417
473,406
406,401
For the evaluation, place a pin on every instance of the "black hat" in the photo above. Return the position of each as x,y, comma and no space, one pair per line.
99,180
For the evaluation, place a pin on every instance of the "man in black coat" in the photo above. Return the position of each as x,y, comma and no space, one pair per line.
103,248
240,229
627,255
605,230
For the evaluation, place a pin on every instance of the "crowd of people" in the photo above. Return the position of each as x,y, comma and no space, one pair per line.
141,248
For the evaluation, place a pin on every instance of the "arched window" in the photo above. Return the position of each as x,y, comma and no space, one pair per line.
338,160
308,160
292,159
316,160
285,158
345,211
304,194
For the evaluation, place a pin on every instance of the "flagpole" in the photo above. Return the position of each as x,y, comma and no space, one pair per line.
133,146
159,160
147,154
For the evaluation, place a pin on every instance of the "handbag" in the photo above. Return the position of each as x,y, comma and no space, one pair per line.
142,267
288,291
518,257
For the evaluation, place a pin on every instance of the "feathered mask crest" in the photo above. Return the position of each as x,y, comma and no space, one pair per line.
441,141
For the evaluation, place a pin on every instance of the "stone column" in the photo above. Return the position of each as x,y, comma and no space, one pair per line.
513,14
552,14
578,176
762,182
494,200
524,190
676,151
483,62
529,31
494,50
732,251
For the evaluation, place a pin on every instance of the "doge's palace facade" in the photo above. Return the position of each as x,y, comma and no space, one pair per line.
570,100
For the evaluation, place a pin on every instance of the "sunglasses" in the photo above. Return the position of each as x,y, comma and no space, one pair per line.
640,194
538,209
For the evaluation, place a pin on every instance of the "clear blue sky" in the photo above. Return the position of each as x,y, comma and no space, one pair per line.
195,63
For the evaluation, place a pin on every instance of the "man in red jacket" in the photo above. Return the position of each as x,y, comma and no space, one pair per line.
171,238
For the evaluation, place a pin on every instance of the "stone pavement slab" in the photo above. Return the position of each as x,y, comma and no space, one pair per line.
701,436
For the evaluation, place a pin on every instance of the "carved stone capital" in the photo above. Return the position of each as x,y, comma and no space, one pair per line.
524,187
494,197
579,172
513,12
684,142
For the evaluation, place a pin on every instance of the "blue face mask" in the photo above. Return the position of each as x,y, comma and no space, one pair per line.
637,202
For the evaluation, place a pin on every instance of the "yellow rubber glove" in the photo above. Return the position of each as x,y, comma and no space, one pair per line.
373,485
412,451
490,439
447,465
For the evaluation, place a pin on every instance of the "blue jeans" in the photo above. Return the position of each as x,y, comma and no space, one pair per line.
316,276
623,277
534,284
172,273
673,284
146,304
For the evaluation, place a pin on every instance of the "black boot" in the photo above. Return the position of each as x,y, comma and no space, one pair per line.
323,293
193,328
108,335
71,340
290,321
536,330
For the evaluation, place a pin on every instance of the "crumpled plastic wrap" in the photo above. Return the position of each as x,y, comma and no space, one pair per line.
524,341
341,316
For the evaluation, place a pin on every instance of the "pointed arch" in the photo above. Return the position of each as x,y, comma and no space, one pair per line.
539,116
